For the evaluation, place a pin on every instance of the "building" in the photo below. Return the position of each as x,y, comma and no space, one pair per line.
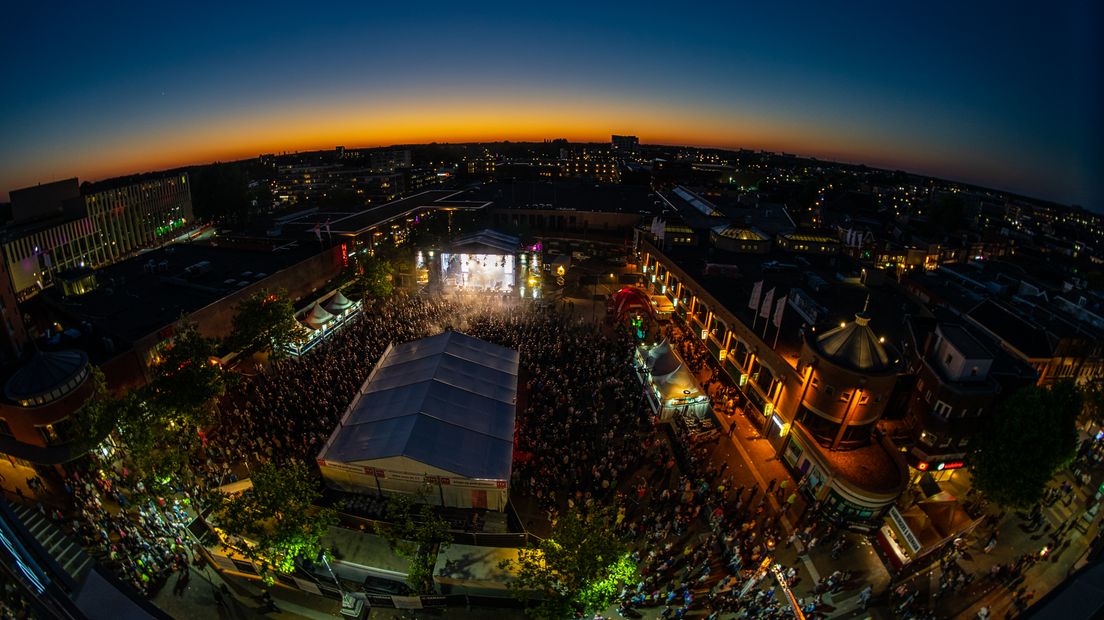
38,401
955,393
113,223
437,414
848,377
625,145
604,170
14,332
1057,347
815,384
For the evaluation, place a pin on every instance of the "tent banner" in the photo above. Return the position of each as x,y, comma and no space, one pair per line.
468,483
404,476
356,469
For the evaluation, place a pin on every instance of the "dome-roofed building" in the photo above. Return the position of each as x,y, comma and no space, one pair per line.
47,377
39,397
848,375
744,239
853,345
853,373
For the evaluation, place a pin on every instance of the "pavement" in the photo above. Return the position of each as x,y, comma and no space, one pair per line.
201,599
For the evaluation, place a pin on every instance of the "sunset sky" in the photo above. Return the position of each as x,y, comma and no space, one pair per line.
1005,95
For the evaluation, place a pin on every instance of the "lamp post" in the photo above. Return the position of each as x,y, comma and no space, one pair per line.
351,605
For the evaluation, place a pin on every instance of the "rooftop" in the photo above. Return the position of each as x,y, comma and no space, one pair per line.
1027,337
448,401
301,225
962,340
827,289
143,294
853,345
872,467
568,196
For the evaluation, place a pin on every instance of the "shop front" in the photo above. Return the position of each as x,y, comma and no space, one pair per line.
908,535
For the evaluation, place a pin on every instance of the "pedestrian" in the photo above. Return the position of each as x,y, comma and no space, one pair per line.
864,595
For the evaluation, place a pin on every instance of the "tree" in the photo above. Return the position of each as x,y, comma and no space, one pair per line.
277,518
97,418
580,567
417,533
185,381
1032,436
375,277
1092,399
265,321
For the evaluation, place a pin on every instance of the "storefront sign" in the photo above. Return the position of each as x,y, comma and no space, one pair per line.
925,466
902,527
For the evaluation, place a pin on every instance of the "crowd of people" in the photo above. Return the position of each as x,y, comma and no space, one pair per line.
140,538
583,436
288,412
579,427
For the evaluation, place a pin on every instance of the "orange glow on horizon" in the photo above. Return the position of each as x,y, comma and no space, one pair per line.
290,127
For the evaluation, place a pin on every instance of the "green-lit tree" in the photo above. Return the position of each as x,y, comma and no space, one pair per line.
265,322
417,533
277,518
1032,436
579,568
375,278
185,381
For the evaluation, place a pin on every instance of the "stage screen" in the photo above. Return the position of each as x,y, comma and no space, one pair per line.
478,272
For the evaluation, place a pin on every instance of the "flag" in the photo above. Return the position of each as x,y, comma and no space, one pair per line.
756,290
318,231
765,310
779,309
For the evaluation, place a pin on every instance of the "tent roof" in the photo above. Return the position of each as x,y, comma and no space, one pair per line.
317,316
448,401
486,242
662,360
337,303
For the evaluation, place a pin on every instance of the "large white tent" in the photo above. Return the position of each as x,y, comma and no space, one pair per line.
436,416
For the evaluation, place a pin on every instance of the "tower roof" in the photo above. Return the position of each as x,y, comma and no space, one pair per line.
853,345
45,372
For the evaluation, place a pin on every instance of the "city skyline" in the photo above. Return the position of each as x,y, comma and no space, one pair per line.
977,94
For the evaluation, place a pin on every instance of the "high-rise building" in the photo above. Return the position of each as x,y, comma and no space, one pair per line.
625,145
107,224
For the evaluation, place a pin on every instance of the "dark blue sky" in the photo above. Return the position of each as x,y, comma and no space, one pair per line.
1003,94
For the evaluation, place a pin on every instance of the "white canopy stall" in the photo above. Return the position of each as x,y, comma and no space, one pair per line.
670,387
321,318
